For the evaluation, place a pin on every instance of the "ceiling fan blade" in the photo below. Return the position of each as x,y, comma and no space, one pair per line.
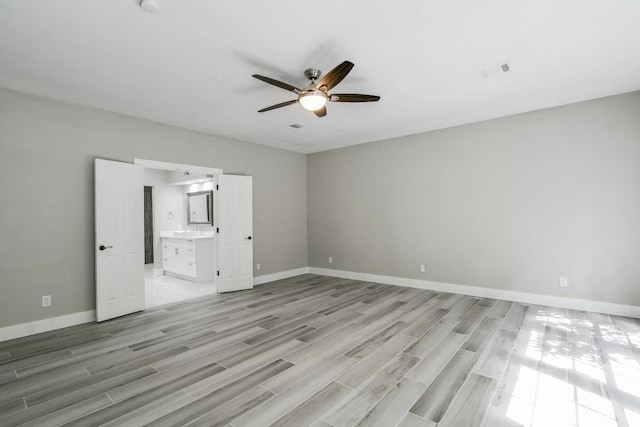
321,112
283,85
353,97
282,104
335,76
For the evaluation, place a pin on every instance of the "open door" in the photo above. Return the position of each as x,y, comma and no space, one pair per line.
119,239
235,225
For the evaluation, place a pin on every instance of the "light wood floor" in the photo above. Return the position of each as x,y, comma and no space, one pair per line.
322,351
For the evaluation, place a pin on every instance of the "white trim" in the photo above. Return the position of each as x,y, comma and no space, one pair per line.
523,297
167,166
260,280
46,325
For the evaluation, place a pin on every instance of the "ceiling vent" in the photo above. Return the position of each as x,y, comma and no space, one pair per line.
505,67
149,6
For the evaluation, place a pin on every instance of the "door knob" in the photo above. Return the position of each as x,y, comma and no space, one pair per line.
103,247
248,238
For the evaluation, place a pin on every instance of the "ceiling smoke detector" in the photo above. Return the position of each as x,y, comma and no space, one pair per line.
149,5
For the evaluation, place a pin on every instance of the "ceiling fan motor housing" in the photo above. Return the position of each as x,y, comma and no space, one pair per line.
312,74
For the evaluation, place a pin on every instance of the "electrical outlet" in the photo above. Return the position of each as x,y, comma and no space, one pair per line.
564,282
422,269
330,260
46,300
258,266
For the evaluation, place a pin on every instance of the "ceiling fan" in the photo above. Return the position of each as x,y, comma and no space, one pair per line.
315,96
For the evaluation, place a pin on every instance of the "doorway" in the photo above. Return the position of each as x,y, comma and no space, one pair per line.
212,249
174,240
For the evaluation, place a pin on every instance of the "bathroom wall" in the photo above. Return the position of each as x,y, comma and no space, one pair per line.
168,208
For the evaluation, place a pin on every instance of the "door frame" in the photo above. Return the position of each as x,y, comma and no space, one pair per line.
179,167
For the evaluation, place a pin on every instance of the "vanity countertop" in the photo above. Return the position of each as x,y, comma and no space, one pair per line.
186,235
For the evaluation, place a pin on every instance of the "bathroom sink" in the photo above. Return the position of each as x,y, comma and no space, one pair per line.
187,233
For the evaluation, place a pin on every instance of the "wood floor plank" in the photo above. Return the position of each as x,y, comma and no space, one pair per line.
152,411
482,335
319,345
265,346
350,352
412,420
422,325
157,378
328,328
295,394
312,409
280,330
514,317
499,309
356,405
68,414
425,344
239,371
26,386
435,361
235,408
392,408
435,401
17,363
11,407
471,403
373,343
471,321
63,396
462,306
494,360
7,377
220,396
318,361
528,347
219,349
366,368
149,396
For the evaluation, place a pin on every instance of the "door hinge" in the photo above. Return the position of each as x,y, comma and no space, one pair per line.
217,229
218,272
217,187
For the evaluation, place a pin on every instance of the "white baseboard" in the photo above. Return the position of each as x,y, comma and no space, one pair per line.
260,280
46,325
475,291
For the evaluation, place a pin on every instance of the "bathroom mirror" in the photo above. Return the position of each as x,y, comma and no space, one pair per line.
200,207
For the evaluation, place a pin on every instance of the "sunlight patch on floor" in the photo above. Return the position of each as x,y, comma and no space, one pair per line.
562,380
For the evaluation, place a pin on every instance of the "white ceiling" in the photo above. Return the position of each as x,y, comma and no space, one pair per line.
190,64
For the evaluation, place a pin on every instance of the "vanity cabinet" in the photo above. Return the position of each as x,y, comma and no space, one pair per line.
189,258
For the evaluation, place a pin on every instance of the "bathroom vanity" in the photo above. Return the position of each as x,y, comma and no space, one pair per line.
188,255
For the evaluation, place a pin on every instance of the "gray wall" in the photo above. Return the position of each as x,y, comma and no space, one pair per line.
512,203
47,150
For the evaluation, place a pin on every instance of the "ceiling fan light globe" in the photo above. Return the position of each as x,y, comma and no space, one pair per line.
313,100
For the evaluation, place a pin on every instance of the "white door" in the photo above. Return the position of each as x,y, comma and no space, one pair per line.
119,239
235,224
